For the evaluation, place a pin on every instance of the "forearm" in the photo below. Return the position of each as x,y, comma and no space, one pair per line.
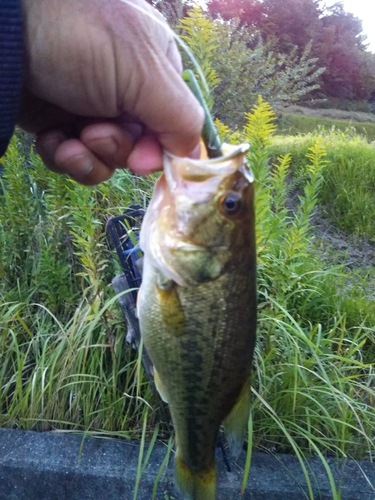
11,64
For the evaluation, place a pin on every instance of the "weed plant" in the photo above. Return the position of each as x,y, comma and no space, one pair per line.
347,192
63,358
64,363
313,382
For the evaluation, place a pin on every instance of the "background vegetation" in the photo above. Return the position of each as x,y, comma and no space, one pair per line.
334,36
347,192
294,124
63,357
236,72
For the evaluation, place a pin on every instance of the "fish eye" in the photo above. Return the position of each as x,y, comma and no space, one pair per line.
231,203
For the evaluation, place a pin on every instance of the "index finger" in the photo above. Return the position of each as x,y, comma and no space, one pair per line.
167,107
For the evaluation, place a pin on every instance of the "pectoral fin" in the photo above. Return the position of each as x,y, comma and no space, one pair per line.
235,425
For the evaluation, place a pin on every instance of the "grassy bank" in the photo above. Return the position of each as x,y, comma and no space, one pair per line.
63,359
347,191
290,124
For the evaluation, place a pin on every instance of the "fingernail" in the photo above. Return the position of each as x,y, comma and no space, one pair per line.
78,167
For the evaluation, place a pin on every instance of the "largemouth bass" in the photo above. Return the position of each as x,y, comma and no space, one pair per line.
197,306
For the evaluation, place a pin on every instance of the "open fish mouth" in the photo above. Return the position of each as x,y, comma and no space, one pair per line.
230,152
176,168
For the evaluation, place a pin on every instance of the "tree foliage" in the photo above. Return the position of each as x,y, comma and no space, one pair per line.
172,10
341,49
331,35
236,73
290,23
248,12
335,36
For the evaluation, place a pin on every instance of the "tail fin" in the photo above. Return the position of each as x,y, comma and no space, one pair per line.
195,485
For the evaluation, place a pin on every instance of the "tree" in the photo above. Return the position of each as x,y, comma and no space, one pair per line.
172,10
341,48
247,73
290,25
286,23
248,12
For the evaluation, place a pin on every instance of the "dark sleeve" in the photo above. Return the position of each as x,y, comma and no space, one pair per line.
11,62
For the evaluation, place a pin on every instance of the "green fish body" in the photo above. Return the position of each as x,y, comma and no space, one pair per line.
197,306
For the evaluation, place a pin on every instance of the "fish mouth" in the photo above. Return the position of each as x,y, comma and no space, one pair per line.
230,152
187,168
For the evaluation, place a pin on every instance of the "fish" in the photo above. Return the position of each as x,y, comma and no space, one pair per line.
197,306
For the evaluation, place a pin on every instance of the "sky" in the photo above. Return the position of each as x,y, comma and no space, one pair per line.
364,10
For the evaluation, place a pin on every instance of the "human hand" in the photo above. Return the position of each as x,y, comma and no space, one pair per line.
103,88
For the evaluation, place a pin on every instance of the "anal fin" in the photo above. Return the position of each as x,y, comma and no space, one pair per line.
235,425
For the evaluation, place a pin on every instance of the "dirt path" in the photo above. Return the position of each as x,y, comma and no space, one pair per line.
336,246
355,253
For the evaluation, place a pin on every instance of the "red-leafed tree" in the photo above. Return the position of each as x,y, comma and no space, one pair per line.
248,12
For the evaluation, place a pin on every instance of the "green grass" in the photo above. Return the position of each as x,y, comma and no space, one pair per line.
347,192
64,360
289,124
64,363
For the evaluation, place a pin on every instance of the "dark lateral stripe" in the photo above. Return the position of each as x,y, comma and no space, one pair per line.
11,62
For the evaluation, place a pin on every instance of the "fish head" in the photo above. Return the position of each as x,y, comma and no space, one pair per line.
200,216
